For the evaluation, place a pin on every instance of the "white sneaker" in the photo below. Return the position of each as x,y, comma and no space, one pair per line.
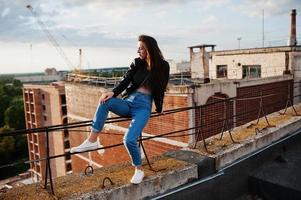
100,151
138,176
85,146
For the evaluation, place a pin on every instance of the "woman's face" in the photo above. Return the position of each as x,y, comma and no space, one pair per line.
141,50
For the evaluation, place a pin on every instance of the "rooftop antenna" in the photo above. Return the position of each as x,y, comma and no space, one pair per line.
31,59
239,38
263,28
80,59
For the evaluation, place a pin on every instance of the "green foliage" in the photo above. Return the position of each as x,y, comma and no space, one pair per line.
5,129
14,114
6,145
21,146
11,98
12,148
4,99
17,83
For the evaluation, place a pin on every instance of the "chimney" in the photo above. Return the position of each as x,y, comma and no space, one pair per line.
293,37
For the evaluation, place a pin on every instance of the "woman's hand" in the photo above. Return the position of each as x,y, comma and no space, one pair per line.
105,96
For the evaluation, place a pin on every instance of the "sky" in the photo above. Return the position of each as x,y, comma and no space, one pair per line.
107,30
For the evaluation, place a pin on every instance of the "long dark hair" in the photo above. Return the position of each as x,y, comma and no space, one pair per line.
155,61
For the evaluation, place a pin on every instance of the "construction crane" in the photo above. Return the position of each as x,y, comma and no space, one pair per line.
52,40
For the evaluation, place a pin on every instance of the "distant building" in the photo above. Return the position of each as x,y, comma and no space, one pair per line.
50,72
172,65
199,61
45,105
50,75
178,67
253,63
183,66
247,63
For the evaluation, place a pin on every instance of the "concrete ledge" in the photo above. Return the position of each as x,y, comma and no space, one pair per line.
205,164
266,138
170,173
150,186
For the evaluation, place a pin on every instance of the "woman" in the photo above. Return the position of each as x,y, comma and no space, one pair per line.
146,80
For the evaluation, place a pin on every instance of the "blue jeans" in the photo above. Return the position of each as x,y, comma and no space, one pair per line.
138,106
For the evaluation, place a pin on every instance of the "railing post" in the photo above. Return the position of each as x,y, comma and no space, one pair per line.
48,167
200,132
226,116
146,157
289,101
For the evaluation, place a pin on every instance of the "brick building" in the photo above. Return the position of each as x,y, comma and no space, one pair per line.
81,108
45,105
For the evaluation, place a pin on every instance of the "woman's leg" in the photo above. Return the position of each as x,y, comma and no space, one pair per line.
139,120
117,106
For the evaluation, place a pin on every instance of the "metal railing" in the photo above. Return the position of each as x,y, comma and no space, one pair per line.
196,130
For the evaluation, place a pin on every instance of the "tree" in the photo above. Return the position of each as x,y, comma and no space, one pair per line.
4,99
12,148
17,83
14,114
7,146
9,89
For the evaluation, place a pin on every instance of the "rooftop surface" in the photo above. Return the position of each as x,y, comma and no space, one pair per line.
170,173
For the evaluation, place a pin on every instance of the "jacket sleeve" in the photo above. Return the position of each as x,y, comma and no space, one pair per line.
166,75
126,80
159,105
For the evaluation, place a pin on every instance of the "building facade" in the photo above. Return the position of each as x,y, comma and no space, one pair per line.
45,105
254,63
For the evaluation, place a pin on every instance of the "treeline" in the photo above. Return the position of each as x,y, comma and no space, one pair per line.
12,148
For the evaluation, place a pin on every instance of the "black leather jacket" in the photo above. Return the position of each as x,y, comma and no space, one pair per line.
136,75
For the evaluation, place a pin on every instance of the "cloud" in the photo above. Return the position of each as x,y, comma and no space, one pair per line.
5,12
78,18
211,19
118,22
253,8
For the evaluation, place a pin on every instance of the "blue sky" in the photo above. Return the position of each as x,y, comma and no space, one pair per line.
107,31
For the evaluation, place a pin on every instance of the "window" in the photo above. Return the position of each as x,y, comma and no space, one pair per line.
251,71
45,118
65,120
68,157
44,107
63,99
68,167
64,110
38,168
67,144
33,119
66,134
221,71
43,96
31,97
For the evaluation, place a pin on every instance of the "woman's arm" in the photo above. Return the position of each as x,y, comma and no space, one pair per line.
126,80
